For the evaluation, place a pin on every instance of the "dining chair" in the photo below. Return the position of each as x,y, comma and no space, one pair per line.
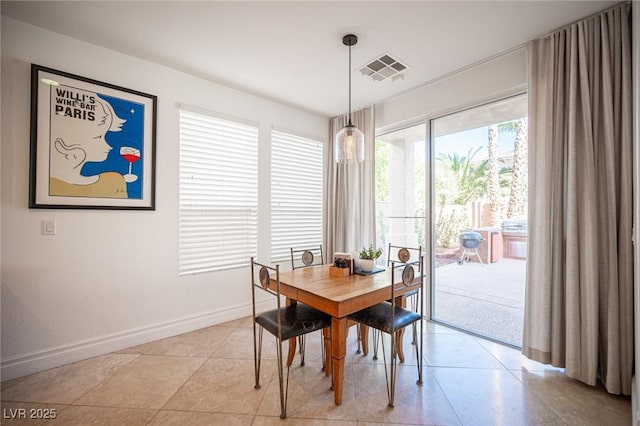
284,322
402,254
302,258
388,317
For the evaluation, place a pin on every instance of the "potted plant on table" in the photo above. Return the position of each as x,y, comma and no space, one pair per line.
368,257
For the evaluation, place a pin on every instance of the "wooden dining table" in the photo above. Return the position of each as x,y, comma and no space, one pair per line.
338,297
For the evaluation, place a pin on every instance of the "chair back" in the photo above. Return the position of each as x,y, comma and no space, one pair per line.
302,258
404,254
265,278
407,277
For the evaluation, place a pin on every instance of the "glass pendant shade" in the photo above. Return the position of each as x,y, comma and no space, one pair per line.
349,145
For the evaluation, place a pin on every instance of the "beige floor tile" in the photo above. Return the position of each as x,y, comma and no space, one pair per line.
82,416
28,413
239,345
223,386
513,359
200,343
409,349
423,404
450,350
310,395
181,418
147,382
576,402
64,385
277,421
492,397
435,328
476,381
245,322
381,424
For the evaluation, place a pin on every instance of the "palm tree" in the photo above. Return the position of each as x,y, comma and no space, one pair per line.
467,179
518,190
493,177
460,181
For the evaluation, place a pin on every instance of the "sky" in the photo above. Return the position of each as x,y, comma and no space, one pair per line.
462,142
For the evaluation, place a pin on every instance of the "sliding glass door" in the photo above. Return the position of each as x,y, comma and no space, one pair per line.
479,218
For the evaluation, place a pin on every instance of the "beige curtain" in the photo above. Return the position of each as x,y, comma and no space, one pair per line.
579,296
350,206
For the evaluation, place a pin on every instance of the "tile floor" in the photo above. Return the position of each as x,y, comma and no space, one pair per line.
206,378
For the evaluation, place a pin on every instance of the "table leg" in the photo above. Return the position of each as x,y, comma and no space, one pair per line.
400,301
292,351
364,335
292,342
326,335
399,345
338,354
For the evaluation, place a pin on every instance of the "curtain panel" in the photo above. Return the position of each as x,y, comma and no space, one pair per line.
350,207
579,295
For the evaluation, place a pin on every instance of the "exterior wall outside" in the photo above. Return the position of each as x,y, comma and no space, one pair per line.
109,279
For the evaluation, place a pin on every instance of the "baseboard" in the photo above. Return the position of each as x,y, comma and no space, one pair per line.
33,362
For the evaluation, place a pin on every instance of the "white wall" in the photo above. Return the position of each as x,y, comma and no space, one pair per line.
501,76
109,279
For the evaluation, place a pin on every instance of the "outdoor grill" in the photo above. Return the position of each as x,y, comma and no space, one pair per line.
514,228
469,241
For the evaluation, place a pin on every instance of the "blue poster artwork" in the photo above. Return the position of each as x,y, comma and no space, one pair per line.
127,153
96,145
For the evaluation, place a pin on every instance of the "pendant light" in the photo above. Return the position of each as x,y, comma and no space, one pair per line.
349,142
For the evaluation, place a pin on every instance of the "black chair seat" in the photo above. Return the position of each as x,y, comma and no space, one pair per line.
379,317
296,320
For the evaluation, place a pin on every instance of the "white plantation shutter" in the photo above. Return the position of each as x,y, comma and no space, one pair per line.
296,194
218,193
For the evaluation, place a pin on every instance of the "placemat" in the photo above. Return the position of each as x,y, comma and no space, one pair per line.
373,271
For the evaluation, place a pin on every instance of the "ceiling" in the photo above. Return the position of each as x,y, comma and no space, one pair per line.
292,52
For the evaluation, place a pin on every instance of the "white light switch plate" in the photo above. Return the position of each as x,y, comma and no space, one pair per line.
48,227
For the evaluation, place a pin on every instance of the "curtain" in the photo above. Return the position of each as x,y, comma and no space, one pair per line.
350,207
579,294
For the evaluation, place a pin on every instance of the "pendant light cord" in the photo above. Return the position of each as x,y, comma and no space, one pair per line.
350,86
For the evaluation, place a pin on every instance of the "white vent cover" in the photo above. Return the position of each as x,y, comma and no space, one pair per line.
383,67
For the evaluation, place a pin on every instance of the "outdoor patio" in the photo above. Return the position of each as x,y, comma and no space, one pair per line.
488,299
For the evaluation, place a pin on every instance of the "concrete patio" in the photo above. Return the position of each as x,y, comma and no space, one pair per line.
487,299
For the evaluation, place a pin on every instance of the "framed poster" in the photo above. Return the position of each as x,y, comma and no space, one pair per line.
92,144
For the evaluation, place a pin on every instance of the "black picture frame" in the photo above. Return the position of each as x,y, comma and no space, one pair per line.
93,144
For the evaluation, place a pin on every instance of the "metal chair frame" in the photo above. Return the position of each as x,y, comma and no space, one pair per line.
295,265
383,318
414,298
304,253
299,320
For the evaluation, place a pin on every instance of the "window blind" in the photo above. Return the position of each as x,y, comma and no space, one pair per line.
296,194
218,193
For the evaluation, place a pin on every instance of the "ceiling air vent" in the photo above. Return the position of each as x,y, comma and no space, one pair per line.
383,68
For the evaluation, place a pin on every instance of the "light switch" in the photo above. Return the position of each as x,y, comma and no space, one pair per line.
49,227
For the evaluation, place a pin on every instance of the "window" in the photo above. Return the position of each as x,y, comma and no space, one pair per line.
218,193
296,194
